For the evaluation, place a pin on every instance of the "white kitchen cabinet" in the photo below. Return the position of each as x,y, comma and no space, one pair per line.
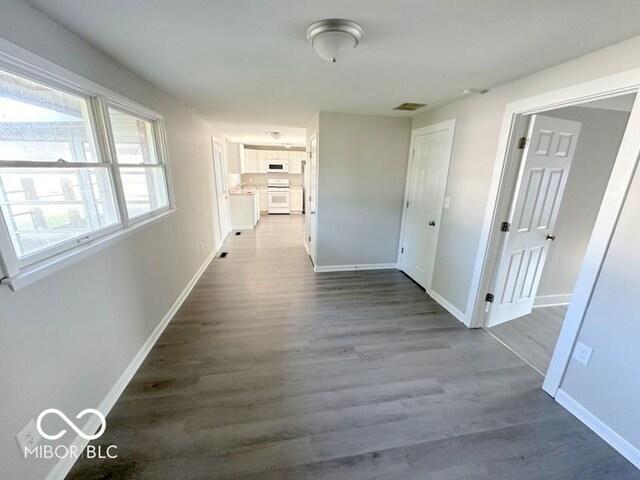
250,160
262,161
263,199
295,162
273,155
243,210
295,199
235,157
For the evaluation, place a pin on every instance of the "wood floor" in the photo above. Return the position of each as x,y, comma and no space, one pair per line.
533,337
272,372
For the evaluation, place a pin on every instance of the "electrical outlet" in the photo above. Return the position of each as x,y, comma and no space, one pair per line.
447,202
28,437
201,247
582,353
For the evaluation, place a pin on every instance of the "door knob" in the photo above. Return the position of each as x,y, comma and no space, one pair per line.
432,223
551,237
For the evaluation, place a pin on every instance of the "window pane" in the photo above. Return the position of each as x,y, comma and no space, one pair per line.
47,206
144,189
133,138
38,123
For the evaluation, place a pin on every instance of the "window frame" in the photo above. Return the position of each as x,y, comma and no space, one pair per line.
17,272
159,142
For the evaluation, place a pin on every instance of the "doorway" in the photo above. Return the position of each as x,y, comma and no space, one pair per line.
562,168
221,193
427,173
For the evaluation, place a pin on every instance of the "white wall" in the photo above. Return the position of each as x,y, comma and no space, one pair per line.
362,171
65,340
595,155
479,121
609,387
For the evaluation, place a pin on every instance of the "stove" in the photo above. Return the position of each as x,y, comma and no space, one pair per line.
278,193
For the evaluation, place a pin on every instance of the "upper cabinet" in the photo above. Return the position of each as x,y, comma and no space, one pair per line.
295,161
235,157
256,161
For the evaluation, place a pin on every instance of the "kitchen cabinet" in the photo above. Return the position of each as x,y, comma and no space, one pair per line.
235,157
243,208
295,199
295,162
257,161
262,161
263,199
250,161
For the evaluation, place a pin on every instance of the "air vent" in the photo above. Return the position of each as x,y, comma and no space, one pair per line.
410,107
238,233
224,254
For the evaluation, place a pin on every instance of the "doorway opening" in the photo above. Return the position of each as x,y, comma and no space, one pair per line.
561,164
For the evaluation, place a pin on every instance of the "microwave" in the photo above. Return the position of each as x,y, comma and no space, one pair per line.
277,166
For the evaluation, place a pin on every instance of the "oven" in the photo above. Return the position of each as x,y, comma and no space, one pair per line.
275,166
278,196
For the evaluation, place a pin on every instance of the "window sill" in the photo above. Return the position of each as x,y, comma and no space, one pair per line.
43,269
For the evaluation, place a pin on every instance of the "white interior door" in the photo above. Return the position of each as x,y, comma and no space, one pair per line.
546,161
222,196
424,198
312,197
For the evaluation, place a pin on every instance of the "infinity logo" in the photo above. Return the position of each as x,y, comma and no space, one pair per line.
103,423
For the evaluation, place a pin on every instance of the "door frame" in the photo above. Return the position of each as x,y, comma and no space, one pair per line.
500,198
312,249
220,143
416,132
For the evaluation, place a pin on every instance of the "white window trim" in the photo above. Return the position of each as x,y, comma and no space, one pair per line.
19,61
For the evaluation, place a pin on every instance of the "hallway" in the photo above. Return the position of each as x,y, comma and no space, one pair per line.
270,371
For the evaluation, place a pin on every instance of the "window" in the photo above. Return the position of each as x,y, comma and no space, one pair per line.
66,176
143,176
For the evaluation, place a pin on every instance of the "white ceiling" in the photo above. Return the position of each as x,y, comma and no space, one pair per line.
247,67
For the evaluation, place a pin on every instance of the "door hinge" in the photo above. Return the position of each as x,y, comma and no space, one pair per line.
309,238
522,143
413,153
407,203
505,226
402,250
489,298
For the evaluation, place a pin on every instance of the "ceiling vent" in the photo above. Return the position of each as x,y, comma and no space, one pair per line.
409,107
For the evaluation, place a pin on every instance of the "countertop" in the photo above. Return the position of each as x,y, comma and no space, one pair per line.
243,190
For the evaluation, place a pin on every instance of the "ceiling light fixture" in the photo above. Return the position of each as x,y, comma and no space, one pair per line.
472,91
276,135
334,38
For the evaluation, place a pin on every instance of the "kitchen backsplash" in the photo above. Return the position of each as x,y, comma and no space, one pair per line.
260,179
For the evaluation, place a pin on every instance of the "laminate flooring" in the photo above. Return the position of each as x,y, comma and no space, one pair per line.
533,337
270,371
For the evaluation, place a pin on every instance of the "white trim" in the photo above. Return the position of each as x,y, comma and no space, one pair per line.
416,132
44,268
240,227
623,447
620,180
349,268
448,306
63,467
552,300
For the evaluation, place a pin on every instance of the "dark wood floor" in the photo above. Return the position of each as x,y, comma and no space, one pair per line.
272,372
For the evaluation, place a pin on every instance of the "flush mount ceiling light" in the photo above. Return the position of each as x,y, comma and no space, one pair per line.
334,38
276,135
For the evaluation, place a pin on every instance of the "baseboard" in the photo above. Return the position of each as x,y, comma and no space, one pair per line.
449,307
552,300
349,268
623,447
63,467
